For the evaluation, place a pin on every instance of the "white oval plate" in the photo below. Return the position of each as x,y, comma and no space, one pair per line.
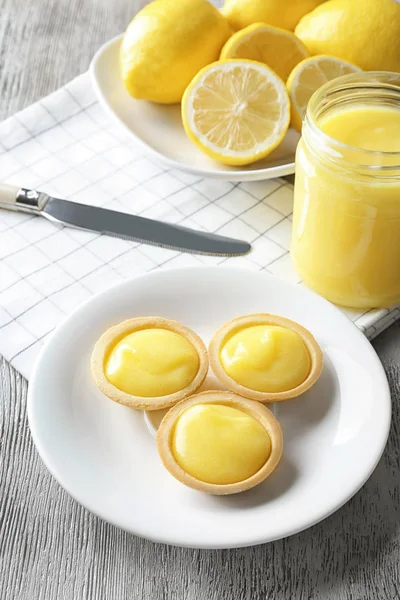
158,128
105,455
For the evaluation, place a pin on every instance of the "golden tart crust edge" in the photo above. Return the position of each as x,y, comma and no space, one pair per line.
316,356
111,337
259,412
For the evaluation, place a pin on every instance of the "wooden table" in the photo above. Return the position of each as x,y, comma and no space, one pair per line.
53,549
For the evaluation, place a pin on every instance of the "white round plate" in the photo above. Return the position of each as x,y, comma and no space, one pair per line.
105,456
158,128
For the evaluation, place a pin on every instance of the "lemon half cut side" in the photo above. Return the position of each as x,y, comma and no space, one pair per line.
278,48
236,111
309,75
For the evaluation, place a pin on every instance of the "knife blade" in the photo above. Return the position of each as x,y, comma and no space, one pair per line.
126,226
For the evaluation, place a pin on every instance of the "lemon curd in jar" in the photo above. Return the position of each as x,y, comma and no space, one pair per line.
346,218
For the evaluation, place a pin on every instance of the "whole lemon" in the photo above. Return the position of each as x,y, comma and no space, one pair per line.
281,13
166,45
365,33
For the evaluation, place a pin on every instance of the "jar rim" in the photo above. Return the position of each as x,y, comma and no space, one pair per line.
382,79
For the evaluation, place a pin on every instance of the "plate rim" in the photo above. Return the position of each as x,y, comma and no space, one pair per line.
385,405
237,175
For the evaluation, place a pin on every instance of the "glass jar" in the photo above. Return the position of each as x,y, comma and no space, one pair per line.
346,216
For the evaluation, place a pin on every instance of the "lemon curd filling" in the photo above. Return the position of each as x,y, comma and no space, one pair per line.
266,358
152,362
219,444
366,127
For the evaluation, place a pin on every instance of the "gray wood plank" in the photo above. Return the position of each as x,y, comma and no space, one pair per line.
45,43
52,548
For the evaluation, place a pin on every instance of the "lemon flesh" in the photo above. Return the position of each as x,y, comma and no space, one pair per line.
266,358
280,13
277,48
166,44
151,363
365,33
219,444
236,111
307,77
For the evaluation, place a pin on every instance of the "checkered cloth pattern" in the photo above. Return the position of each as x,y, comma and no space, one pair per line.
66,146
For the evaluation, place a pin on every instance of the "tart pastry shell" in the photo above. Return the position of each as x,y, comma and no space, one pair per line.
259,412
232,327
114,334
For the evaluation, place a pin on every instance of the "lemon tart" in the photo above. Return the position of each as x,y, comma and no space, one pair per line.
149,363
265,357
220,443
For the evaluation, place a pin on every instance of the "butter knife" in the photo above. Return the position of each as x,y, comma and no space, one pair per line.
117,224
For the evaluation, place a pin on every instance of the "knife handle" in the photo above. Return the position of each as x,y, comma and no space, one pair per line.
8,196
21,199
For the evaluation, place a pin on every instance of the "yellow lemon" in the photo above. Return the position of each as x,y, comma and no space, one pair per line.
166,44
307,77
281,13
278,48
366,33
236,111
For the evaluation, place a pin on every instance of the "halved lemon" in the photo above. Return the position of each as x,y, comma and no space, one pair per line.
278,48
308,76
236,111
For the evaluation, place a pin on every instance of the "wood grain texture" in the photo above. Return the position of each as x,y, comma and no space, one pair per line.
53,549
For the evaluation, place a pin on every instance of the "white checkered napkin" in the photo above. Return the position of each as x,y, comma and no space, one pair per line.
66,146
